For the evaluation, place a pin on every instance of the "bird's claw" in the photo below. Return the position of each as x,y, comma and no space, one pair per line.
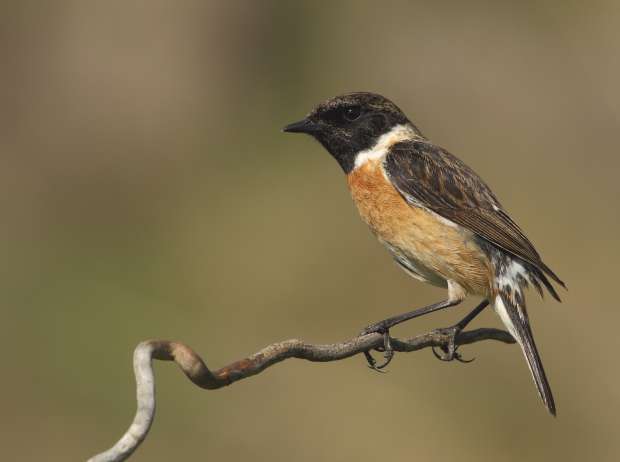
449,350
444,355
372,363
388,351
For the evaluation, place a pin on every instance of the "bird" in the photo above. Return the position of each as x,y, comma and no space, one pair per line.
438,219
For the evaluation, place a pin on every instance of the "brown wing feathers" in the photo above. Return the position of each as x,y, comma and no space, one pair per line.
427,175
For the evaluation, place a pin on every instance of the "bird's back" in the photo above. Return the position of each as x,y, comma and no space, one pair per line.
428,176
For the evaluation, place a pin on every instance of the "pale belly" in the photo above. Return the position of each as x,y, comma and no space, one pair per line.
414,267
427,246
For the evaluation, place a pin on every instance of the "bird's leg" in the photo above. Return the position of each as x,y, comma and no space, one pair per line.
383,327
449,349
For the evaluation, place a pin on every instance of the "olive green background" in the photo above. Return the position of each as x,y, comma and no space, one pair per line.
146,191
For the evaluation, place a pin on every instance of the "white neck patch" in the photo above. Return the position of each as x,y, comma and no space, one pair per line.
397,134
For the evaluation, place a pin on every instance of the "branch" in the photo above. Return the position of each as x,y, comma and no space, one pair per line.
197,371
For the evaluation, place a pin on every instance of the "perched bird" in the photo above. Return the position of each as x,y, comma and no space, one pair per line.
442,224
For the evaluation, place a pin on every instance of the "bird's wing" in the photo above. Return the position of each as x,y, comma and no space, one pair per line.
429,176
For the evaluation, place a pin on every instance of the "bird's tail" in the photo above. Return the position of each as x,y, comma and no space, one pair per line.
513,314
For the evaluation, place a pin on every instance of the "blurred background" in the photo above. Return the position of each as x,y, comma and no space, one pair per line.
146,191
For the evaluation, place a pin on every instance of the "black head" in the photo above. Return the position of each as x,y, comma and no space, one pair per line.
348,124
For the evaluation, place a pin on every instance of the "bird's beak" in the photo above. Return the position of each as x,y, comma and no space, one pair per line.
303,126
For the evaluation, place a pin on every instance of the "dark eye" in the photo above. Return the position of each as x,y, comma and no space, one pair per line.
341,116
351,113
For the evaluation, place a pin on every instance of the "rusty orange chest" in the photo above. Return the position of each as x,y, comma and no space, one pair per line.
429,247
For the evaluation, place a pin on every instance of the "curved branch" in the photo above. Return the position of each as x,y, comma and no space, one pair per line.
197,371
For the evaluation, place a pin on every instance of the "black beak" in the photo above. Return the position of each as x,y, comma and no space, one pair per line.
303,126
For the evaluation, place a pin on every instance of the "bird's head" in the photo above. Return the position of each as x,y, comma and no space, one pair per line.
349,124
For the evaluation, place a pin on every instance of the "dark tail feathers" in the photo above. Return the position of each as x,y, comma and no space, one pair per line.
516,320
538,275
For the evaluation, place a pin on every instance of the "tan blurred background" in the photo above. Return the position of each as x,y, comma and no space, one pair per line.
146,191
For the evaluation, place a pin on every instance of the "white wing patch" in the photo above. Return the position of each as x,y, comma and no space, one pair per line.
510,275
509,280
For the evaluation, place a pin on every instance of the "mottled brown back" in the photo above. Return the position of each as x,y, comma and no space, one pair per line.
429,176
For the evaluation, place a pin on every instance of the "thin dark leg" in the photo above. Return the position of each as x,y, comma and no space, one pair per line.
383,327
462,324
449,350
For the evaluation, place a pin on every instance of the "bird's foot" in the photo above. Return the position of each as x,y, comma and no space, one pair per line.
449,350
388,351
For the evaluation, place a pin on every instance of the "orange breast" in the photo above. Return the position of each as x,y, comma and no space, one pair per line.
429,242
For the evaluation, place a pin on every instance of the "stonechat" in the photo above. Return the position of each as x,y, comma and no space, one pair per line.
442,224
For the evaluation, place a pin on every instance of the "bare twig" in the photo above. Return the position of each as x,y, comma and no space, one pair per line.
197,371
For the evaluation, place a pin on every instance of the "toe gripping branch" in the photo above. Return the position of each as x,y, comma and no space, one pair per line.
386,348
447,339
449,350
445,346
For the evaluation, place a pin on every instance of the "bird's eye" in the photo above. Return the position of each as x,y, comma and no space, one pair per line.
341,116
352,112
